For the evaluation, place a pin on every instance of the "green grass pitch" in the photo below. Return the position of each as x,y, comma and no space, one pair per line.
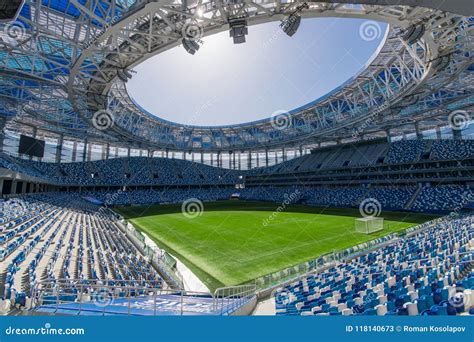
229,243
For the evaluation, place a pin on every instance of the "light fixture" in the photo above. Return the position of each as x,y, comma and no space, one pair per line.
124,75
238,29
291,23
191,46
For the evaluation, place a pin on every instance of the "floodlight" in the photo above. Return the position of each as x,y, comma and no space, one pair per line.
190,46
238,30
291,24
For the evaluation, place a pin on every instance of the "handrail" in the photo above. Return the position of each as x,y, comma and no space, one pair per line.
228,299
119,295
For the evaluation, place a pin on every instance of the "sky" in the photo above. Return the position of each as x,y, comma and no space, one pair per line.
225,83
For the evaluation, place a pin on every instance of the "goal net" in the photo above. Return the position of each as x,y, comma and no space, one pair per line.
367,225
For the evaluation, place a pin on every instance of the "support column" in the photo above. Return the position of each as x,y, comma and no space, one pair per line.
3,123
84,151
249,160
107,151
202,157
74,151
389,138
233,160
212,159
457,134
128,152
266,157
417,130
89,152
59,148
438,133
240,163
13,188
283,151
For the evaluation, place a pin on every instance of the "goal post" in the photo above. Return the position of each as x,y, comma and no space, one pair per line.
367,225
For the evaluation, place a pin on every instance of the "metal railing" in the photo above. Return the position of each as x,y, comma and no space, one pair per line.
133,297
229,299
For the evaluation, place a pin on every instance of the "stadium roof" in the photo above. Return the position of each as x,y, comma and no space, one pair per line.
63,65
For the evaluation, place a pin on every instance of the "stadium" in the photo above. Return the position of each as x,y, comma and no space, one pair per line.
358,201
